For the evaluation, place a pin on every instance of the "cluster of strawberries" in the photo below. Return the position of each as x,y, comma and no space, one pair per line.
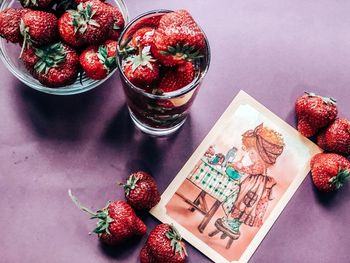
163,51
118,222
59,38
317,116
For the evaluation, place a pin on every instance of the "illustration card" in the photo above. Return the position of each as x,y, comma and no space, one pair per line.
235,185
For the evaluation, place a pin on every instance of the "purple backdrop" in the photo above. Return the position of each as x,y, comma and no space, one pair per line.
274,50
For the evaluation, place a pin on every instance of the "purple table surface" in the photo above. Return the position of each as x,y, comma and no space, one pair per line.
274,50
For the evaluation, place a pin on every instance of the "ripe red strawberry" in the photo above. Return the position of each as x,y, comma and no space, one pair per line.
54,66
164,244
141,69
118,22
177,39
314,112
177,77
90,24
336,137
99,61
329,171
39,28
37,4
117,222
141,191
142,37
152,21
10,20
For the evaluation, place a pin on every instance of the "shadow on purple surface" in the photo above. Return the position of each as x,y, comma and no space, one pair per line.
334,199
122,251
120,129
58,117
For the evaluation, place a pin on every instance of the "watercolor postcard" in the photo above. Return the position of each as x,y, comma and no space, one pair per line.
238,181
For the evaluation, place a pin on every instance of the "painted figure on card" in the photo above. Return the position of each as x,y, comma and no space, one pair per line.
262,146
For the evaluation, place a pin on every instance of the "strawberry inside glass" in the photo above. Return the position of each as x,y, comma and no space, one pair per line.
163,57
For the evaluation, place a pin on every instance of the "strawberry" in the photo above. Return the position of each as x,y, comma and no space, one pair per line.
141,191
329,171
10,20
152,21
117,222
54,65
314,112
99,61
177,77
336,137
164,244
39,28
37,4
177,39
90,24
118,21
141,69
142,37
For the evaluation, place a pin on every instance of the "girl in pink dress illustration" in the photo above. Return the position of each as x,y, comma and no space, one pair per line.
263,146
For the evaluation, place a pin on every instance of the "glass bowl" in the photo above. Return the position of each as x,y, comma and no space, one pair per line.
9,54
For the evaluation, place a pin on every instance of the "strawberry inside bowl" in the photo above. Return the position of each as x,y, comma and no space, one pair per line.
42,53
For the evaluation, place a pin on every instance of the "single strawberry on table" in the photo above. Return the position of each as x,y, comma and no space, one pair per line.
37,4
177,39
141,191
54,65
10,20
39,28
90,24
314,112
99,61
117,222
336,137
164,244
329,171
141,69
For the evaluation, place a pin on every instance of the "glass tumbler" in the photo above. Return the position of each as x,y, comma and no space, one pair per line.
159,114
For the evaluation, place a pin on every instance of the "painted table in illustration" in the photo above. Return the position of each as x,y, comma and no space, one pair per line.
212,180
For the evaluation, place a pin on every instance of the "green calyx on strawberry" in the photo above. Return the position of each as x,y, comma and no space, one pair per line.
130,184
141,69
339,180
109,62
177,39
116,223
327,100
49,57
182,52
176,241
83,17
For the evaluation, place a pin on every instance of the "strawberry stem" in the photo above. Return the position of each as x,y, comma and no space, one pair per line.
176,241
79,205
102,215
